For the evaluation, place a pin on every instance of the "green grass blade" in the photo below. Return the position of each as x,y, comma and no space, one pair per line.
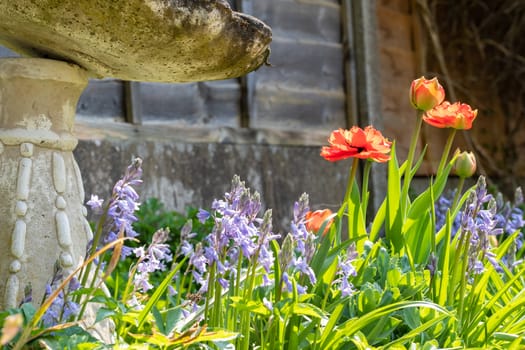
416,331
159,291
330,325
348,328
444,264
393,213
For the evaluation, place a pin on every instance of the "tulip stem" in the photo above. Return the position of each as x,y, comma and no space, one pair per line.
349,184
364,190
348,194
458,193
408,169
446,151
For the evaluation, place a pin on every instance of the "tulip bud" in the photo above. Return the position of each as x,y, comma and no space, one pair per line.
426,94
465,164
316,219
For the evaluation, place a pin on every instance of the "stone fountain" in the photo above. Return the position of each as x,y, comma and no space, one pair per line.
42,213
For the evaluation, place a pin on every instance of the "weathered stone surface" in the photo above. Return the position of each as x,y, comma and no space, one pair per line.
184,174
146,40
41,220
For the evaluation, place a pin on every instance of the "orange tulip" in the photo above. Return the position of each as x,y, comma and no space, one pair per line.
456,115
315,219
425,94
357,143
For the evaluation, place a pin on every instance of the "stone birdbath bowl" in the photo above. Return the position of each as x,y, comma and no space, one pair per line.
42,213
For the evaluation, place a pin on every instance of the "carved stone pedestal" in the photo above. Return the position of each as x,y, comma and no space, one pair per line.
42,216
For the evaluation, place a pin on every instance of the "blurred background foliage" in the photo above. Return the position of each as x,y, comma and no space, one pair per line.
477,49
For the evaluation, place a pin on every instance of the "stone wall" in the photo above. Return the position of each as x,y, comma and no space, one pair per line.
185,174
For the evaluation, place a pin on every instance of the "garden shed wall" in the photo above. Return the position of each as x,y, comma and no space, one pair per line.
333,64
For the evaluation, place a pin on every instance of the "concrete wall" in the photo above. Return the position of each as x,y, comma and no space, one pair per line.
185,174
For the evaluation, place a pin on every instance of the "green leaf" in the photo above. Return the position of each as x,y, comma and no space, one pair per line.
276,269
378,222
173,316
304,309
411,317
159,321
28,310
74,337
393,213
332,321
348,328
418,239
423,202
256,307
417,331
498,315
358,229
444,263
103,313
393,276
319,259
382,329
158,293
360,341
368,300
419,162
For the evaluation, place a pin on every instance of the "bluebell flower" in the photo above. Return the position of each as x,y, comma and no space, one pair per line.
298,247
346,270
121,207
301,265
95,203
203,215
268,304
150,260
286,280
510,218
478,222
238,233
441,207
186,248
62,309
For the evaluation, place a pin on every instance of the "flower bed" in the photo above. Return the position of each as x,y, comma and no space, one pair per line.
425,272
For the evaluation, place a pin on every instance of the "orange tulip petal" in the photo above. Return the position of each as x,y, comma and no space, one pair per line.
356,142
316,219
446,115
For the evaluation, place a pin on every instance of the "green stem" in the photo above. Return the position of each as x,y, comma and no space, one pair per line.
348,194
446,151
91,284
211,278
245,325
327,293
236,292
462,296
217,305
181,285
408,169
364,190
95,242
351,178
456,266
458,193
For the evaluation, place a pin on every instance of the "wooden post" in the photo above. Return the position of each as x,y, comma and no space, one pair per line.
362,79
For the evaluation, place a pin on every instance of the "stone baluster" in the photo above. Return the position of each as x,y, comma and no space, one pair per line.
42,216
